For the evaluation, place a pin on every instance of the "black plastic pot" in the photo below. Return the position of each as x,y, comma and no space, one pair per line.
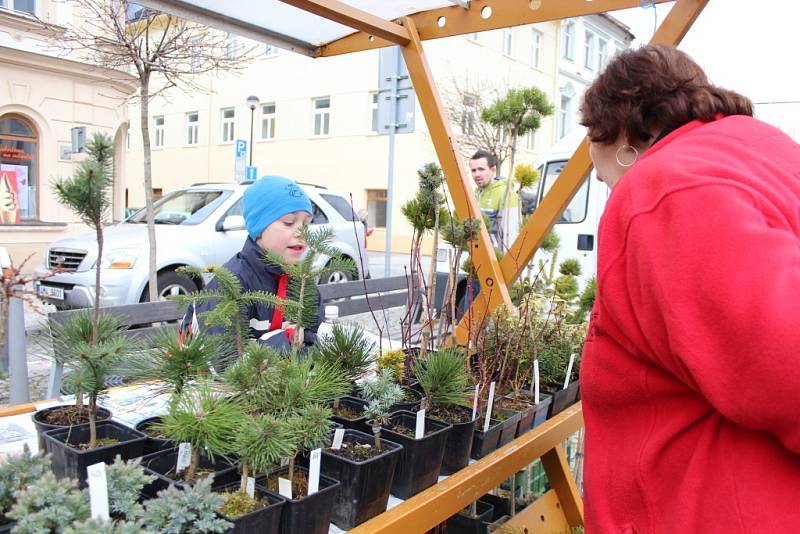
458,446
310,514
365,485
541,409
485,442
152,444
266,520
69,462
410,406
562,398
500,506
162,465
510,422
5,528
420,459
357,405
463,524
42,427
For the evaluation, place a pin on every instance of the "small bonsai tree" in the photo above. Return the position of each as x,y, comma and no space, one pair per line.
193,510
381,393
177,358
49,506
17,472
347,348
303,277
232,303
443,377
205,418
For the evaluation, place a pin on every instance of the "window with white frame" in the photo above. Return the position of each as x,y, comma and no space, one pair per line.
22,6
271,50
469,117
602,53
536,47
508,41
568,40
589,49
374,127
228,123
192,127
564,115
268,120
231,46
322,115
158,131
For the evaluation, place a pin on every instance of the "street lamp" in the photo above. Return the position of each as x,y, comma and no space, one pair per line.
253,102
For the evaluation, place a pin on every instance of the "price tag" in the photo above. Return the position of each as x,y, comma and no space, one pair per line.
536,381
569,369
184,456
475,401
489,408
98,491
250,487
420,431
285,487
313,471
338,437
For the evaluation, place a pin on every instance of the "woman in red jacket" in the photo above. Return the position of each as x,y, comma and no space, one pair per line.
691,371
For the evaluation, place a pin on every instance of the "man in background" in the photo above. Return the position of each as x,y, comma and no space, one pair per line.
497,201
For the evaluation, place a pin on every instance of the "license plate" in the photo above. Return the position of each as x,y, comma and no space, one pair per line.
50,292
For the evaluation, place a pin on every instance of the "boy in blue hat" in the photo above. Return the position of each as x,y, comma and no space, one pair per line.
275,208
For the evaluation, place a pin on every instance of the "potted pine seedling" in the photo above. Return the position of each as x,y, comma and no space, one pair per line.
364,464
298,392
443,379
558,353
398,361
421,457
348,349
204,421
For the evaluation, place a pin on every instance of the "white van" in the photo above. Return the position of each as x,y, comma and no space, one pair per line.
577,226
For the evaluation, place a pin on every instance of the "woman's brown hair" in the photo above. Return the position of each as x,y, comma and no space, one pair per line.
653,88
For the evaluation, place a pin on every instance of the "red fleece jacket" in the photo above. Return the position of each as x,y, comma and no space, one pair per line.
691,372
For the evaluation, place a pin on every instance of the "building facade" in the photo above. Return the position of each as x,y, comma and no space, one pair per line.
42,98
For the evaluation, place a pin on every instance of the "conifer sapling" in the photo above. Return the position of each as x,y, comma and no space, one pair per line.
381,393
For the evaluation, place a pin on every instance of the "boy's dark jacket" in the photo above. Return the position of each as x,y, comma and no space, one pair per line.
255,275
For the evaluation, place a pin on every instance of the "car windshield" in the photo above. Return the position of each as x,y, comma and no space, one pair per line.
183,207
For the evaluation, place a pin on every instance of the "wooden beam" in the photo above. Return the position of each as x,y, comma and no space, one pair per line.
460,21
561,480
671,31
348,15
432,506
458,182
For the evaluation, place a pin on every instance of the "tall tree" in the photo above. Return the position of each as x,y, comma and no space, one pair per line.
161,51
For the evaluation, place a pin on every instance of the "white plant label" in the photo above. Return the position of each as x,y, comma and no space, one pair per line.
250,487
285,487
536,381
475,401
338,437
489,408
419,433
313,471
98,491
569,369
184,456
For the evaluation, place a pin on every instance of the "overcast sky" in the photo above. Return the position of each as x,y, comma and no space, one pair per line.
745,45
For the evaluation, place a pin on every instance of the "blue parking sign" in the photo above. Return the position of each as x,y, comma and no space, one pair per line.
241,148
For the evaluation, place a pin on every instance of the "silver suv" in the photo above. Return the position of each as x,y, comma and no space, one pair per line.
198,226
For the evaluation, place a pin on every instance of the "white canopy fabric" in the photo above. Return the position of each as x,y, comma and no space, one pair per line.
283,25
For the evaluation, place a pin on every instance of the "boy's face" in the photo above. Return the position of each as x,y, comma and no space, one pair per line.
283,236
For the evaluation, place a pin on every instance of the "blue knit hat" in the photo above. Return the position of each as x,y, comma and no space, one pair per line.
270,198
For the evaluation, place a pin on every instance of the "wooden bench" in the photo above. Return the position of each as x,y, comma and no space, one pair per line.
146,319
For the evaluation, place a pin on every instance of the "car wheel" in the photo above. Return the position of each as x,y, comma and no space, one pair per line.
170,283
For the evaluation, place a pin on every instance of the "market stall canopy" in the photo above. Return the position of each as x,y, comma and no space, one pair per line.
332,27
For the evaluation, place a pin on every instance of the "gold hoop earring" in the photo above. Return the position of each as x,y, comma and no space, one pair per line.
635,155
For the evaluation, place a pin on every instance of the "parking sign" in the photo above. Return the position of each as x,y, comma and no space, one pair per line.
240,161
